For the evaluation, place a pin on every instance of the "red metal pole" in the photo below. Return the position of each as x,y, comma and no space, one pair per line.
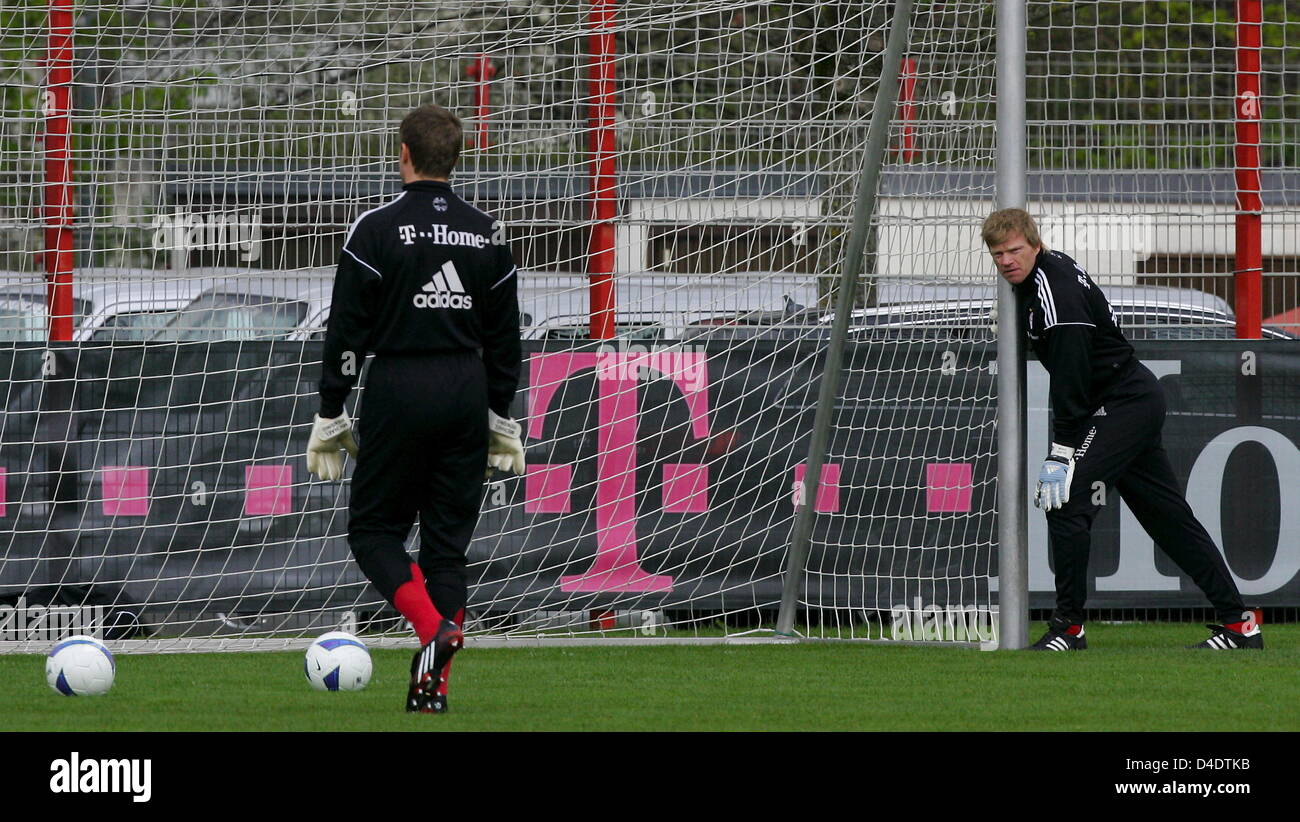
604,98
907,108
58,172
483,71
1249,266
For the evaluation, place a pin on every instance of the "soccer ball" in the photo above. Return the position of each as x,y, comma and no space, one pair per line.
80,666
337,661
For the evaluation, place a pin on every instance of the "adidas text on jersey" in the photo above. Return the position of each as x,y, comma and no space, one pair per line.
444,290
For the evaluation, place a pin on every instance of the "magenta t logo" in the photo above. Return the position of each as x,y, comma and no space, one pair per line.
617,567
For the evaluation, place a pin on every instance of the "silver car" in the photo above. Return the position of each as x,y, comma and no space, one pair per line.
905,310
292,306
108,306
652,307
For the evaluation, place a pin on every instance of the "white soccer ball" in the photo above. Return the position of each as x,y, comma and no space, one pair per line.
337,661
80,666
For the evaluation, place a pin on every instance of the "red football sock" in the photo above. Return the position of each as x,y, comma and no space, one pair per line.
446,670
412,600
1246,625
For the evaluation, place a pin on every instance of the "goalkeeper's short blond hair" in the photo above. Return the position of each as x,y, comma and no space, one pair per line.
1009,221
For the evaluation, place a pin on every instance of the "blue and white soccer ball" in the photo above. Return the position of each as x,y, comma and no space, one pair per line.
337,661
80,666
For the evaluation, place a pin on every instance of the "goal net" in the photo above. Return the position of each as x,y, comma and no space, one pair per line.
699,155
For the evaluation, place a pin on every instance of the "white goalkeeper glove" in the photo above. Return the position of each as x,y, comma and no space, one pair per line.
505,449
1054,478
328,438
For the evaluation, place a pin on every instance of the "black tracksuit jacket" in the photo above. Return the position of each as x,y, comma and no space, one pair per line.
427,273
1073,332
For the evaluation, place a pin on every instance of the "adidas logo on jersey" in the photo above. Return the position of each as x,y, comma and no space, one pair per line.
444,290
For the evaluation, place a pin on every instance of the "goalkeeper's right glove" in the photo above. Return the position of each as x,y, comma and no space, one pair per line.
328,437
505,449
1054,478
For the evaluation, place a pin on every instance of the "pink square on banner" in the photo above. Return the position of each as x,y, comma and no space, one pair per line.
268,489
948,486
546,489
828,490
686,488
4,497
124,490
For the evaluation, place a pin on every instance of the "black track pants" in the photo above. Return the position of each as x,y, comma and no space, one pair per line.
423,441
1123,450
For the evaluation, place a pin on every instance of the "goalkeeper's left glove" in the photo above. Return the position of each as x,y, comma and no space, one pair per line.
1054,478
328,437
505,449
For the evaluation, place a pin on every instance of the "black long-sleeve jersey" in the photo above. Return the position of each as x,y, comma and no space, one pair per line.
1072,329
425,273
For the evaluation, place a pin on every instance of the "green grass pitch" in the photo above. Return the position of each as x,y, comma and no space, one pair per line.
1134,677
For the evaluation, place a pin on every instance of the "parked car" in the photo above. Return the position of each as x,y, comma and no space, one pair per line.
653,307
907,310
295,305
109,305
291,306
792,322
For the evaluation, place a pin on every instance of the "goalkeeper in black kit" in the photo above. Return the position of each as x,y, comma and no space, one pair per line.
1107,414
427,283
